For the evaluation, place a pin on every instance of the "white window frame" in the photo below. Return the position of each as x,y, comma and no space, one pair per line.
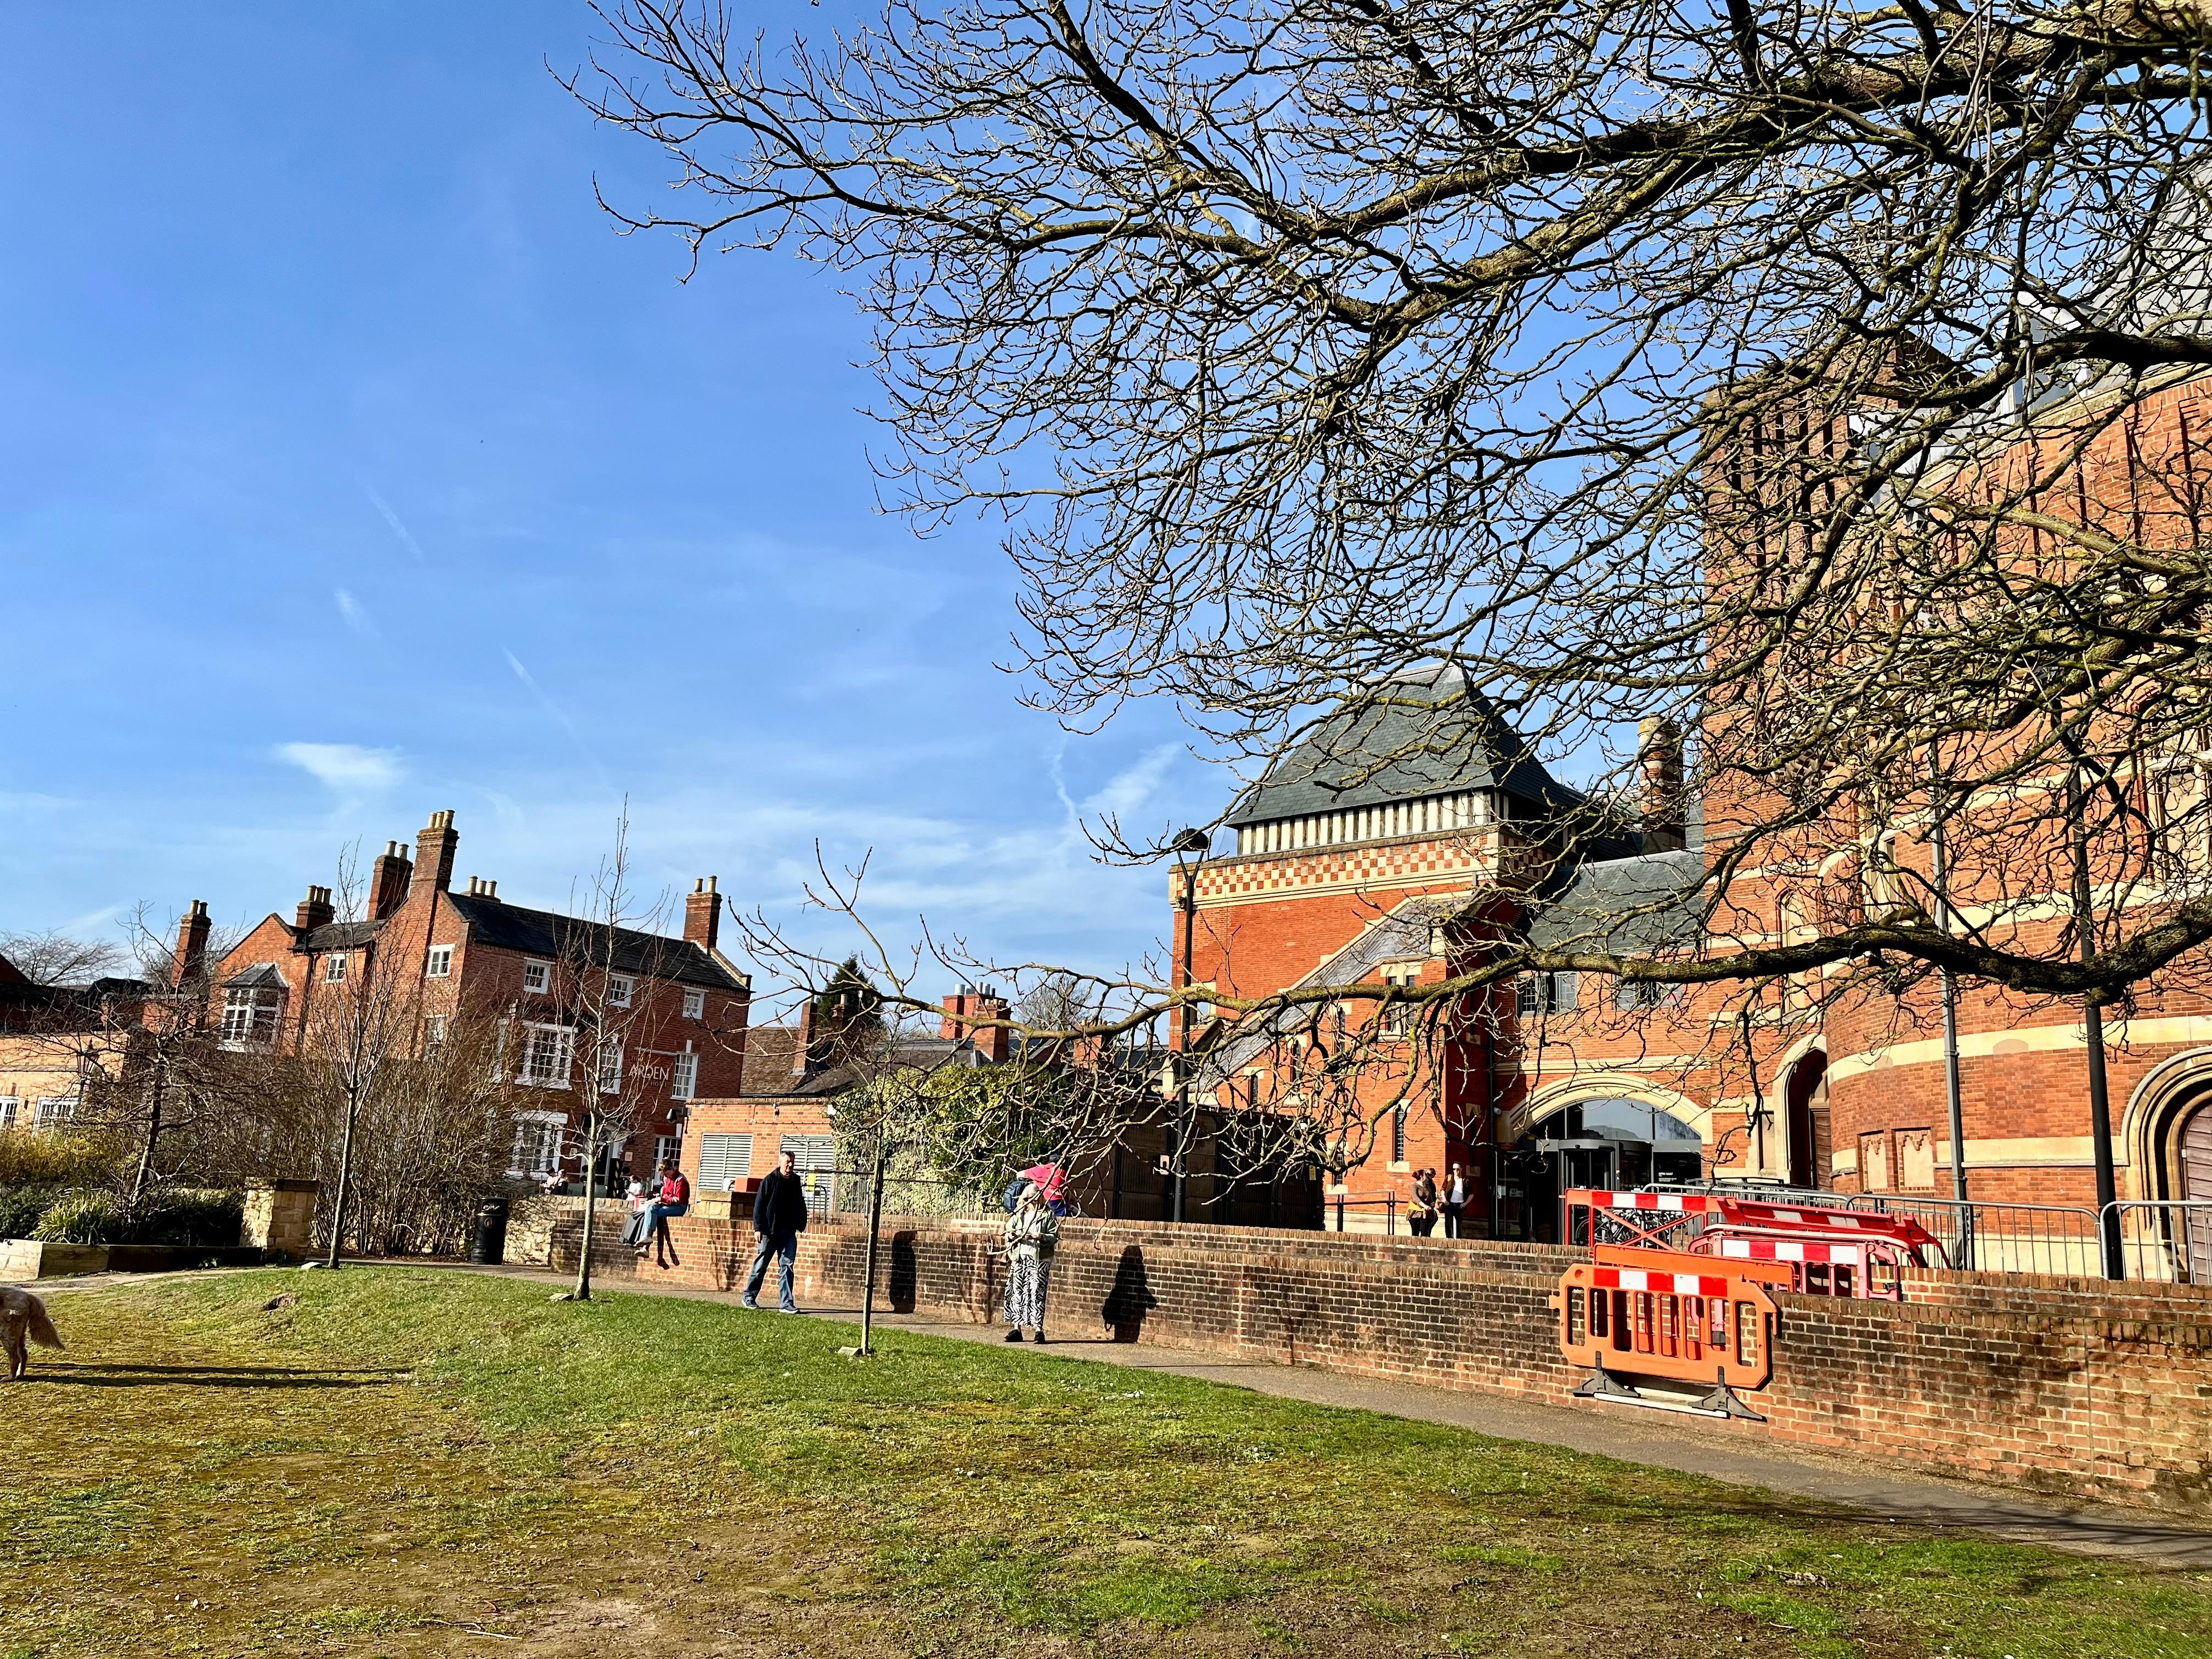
668,1149
531,1073
1538,995
434,1033
684,1075
10,1105
620,989
243,1026
695,1005
54,1110
334,968
550,1129
537,976
1398,1019
610,1067
441,963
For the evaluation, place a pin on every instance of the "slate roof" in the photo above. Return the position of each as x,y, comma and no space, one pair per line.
771,1050
542,933
336,936
260,975
1641,905
1430,736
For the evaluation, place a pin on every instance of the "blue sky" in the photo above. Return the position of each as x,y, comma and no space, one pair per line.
352,467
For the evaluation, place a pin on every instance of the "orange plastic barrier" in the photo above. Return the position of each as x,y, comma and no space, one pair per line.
1635,1312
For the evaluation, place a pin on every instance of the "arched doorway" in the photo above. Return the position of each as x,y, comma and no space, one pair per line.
1803,1107
2194,1156
1611,1141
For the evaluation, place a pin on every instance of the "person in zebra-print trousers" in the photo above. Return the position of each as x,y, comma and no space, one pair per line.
1032,1234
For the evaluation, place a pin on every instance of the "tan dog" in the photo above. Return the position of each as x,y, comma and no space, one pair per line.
23,1315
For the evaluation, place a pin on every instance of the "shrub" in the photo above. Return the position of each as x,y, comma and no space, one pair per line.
201,1216
83,1218
21,1207
57,1158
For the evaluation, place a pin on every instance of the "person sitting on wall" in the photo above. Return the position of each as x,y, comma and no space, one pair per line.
675,1200
779,1216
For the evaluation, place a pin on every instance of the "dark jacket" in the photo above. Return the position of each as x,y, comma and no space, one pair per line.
780,1206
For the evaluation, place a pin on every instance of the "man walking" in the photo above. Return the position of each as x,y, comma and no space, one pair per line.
779,1216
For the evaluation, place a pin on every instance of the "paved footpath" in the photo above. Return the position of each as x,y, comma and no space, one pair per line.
1631,1434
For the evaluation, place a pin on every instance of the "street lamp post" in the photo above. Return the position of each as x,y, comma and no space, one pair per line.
1197,841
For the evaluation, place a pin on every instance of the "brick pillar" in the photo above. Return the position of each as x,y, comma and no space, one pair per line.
280,1217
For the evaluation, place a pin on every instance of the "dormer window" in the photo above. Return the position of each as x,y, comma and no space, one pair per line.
249,1015
537,977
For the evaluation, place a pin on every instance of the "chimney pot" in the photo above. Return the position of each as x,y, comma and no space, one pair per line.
191,943
1659,763
315,910
388,881
434,850
702,913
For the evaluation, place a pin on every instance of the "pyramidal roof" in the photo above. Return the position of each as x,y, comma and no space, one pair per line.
1421,734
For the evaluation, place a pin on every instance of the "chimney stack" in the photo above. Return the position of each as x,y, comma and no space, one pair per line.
1659,761
315,910
191,944
388,880
994,1042
434,849
702,913
479,888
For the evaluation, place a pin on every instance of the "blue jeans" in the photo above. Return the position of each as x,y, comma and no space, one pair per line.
785,1245
655,1231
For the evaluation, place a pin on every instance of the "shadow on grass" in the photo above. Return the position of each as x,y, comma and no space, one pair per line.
215,1377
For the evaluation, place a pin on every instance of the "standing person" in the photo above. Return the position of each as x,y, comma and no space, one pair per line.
1454,1200
674,1198
1032,1235
1421,1216
779,1216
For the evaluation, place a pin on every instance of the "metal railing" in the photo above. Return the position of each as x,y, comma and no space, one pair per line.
2165,1241
1982,1237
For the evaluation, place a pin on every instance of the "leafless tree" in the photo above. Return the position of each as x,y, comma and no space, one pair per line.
1739,365
56,959
609,970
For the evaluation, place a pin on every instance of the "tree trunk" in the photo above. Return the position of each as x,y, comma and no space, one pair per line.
583,1292
345,1177
875,1227
145,1169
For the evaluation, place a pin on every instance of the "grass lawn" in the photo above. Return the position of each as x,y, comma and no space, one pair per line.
394,1461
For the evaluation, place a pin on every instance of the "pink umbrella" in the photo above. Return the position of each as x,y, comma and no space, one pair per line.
1049,1176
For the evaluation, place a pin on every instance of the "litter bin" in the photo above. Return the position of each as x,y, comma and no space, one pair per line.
488,1246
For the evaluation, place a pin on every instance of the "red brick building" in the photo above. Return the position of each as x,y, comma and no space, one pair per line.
787,1102
1351,854
543,979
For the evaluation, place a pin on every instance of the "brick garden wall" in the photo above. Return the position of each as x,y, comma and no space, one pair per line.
2069,1386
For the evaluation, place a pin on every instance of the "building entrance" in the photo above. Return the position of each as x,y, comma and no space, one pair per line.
1606,1144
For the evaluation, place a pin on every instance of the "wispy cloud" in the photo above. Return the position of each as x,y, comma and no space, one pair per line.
392,519
347,767
355,614
545,701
